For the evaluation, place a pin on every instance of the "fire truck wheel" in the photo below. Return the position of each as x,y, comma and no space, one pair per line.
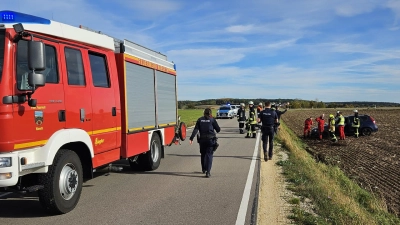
151,160
62,183
182,131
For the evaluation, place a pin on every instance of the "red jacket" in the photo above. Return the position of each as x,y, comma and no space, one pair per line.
308,122
321,123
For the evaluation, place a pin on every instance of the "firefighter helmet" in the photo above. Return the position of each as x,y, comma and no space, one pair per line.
242,104
355,111
260,104
331,116
251,103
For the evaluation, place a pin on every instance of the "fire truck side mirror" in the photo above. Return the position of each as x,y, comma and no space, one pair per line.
37,55
36,79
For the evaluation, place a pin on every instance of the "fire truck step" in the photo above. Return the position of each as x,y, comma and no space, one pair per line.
32,188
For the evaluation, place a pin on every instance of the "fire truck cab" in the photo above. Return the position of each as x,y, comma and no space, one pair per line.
74,100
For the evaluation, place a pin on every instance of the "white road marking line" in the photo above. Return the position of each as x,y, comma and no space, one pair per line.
7,193
241,217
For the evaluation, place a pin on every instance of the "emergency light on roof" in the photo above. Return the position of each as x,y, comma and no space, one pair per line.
16,17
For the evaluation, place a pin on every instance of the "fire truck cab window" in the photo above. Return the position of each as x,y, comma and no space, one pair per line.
98,67
50,72
76,75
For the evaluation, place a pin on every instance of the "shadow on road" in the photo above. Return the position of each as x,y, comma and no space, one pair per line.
21,207
218,156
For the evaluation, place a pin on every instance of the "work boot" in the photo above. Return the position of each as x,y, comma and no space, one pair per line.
248,136
254,135
208,175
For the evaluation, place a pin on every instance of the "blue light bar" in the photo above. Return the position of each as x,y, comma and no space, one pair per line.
16,17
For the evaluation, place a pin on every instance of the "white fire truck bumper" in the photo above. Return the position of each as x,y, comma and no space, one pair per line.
9,171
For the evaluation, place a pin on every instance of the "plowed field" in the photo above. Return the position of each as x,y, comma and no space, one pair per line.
372,161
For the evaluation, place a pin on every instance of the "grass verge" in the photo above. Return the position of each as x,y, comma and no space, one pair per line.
190,116
336,198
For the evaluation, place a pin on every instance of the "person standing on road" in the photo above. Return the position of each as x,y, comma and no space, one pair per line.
259,109
207,140
279,113
332,128
268,118
307,127
341,126
356,123
241,114
321,122
251,121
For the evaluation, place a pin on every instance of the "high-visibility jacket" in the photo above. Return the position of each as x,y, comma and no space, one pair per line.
341,120
356,122
331,124
252,116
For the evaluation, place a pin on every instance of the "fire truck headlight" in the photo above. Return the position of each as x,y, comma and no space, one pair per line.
5,176
5,162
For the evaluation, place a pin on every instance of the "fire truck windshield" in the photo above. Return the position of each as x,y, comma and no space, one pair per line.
2,35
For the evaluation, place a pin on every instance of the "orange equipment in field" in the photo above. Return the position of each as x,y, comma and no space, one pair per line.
73,101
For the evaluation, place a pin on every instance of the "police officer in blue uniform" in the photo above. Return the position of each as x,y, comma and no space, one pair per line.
207,139
269,118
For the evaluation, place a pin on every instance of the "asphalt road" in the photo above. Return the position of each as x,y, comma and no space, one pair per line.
176,193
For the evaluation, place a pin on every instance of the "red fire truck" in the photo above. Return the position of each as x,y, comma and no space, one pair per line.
73,101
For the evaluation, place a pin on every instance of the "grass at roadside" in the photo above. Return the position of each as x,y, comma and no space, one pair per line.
190,116
337,199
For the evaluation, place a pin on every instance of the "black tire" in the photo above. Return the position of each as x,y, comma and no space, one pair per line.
366,131
151,159
66,172
182,131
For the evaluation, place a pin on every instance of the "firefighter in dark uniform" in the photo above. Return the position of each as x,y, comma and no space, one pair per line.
251,121
207,139
356,123
268,118
241,114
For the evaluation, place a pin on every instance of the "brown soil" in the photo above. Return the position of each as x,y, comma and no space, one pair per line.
372,161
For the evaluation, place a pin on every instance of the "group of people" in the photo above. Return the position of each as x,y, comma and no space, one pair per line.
251,121
332,120
266,118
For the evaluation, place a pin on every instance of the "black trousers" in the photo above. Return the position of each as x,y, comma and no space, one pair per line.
268,135
207,154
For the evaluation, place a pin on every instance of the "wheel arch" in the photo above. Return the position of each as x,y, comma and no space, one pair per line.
83,152
76,140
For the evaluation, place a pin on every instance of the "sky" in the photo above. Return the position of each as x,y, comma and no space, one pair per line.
324,50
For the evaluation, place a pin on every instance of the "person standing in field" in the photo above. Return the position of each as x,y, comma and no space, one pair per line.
321,122
307,127
341,126
332,128
356,123
207,126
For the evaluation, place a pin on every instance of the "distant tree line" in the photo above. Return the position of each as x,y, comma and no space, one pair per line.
293,103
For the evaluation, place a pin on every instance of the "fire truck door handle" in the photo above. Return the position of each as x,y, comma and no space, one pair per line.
61,115
114,111
82,115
